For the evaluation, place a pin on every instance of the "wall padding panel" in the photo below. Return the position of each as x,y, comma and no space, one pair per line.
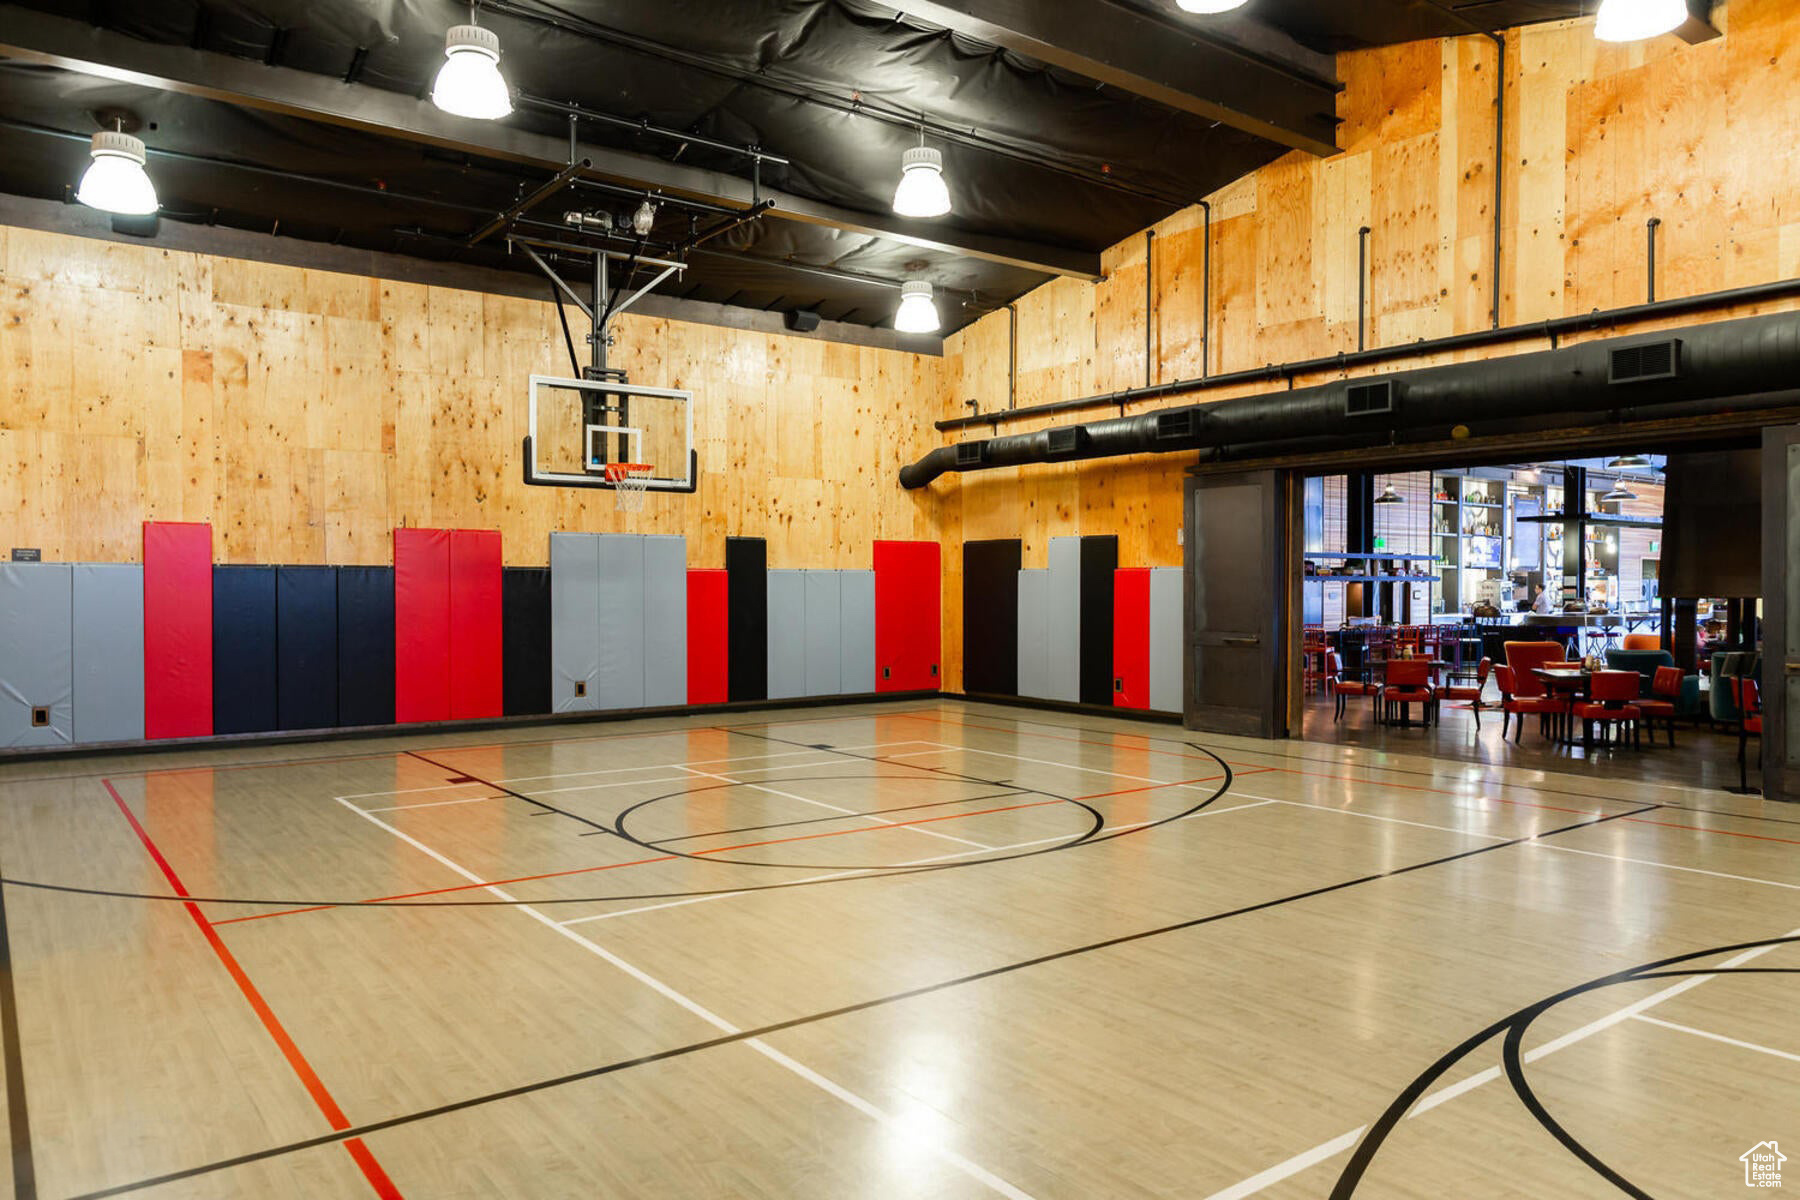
37,654
306,647
1167,634
109,652
365,644
747,562
665,621
178,633
856,633
709,637
991,617
575,621
1131,638
244,657
787,634
1099,563
908,610
1034,634
421,625
476,644
525,608
621,615
823,633
1064,671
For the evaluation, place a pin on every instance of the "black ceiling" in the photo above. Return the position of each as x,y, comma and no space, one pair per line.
1034,153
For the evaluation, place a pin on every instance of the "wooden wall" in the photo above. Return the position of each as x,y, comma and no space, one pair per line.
306,414
1599,140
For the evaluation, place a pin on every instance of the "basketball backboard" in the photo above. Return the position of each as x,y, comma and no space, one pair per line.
578,427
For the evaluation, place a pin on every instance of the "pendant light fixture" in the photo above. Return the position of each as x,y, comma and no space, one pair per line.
1619,494
917,312
1390,496
469,84
922,191
1628,462
115,181
1209,6
1636,20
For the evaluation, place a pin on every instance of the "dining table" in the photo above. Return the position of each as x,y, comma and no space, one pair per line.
1438,667
1568,684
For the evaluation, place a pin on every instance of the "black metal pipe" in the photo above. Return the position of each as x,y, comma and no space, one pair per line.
1149,305
1499,168
1551,330
1206,289
539,194
1012,357
726,225
645,127
1650,228
1740,358
1362,288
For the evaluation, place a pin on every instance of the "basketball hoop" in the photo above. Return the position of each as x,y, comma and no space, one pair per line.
631,484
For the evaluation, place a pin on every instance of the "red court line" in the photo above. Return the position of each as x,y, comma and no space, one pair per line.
364,1157
1755,837
1159,786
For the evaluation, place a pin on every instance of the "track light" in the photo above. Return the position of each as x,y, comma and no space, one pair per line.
1390,496
1209,6
1635,20
922,191
917,312
115,181
469,84
644,219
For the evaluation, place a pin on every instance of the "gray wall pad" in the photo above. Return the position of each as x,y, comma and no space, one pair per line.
665,621
109,652
787,634
621,620
574,621
1165,639
1034,634
856,632
824,623
37,653
1064,646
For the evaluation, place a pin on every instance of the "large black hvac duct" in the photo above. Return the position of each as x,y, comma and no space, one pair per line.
1756,358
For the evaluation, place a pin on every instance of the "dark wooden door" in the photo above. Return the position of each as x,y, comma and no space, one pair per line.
1781,613
1237,537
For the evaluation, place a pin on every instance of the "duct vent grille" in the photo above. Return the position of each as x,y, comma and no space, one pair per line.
1177,426
1369,399
971,454
1650,361
1065,441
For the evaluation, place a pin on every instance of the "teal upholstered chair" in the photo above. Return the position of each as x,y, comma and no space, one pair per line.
1645,662
1726,665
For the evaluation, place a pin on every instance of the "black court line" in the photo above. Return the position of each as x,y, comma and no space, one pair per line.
544,809
18,1117
1514,1026
764,1031
849,816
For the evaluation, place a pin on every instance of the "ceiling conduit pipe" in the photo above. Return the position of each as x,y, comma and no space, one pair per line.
1738,359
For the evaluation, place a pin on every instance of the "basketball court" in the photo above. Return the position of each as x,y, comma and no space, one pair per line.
934,949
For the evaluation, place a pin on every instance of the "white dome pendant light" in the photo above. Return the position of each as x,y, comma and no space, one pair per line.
1209,6
115,181
1635,20
917,312
922,191
469,84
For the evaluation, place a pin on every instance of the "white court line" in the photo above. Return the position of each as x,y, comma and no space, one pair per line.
1324,1150
429,803
1718,1037
966,1166
1045,762
442,787
1645,862
849,812
700,762
1346,812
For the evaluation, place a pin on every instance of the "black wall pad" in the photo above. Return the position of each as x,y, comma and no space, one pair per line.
991,617
1099,559
365,644
525,640
747,584
244,660
306,653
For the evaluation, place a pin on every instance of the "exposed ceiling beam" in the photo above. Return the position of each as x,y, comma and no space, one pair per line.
30,36
1248,76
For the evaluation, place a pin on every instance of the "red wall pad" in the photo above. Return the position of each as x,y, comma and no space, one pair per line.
709,637
421,625
477,687
1131,637
908,603
178,635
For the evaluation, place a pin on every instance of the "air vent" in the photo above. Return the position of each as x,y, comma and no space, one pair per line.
1177,426
971,454
1642,364
1065,441
1369,399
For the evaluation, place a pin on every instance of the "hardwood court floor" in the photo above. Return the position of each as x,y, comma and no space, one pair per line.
919,950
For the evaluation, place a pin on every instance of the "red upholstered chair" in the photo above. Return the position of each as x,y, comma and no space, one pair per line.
1407,682
1612,701
1454,691
1512,704
1339,687
1525,657
1748,697
1642,641
1665,690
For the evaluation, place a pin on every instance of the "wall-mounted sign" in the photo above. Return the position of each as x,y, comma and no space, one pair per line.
27,554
